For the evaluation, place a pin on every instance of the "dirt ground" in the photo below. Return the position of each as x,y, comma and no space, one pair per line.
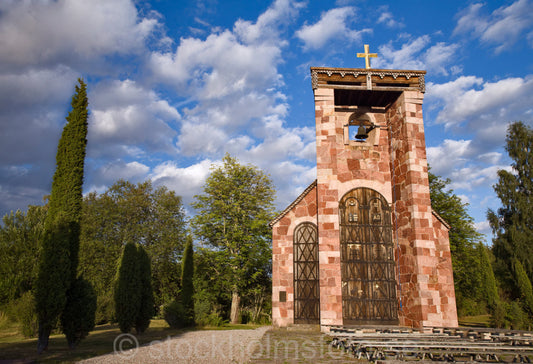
262,345
287,346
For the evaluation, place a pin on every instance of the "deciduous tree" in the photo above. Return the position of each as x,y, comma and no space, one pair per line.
20,237
512,224
137,213
232,218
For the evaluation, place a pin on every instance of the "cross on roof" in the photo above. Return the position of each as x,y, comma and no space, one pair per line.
367,56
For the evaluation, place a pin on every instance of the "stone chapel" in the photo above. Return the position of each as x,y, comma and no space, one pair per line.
361,245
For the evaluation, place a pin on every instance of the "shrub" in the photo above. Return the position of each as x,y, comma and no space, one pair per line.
203,305
78,316
4,320
215,319
26,315
497,317
174,314
471,307
515,316
105,309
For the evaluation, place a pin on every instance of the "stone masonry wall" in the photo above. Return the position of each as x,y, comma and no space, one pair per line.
443,276
421,252
304,210
341,166
392,161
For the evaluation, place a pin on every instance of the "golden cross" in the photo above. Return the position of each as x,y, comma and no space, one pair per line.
367,56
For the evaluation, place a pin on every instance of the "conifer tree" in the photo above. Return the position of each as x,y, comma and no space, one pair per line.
128,289
488,282
77,319
524,286
60,245
146,306
187,286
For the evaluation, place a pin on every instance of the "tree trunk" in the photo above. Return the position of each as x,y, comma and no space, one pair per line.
235,308
44,335
258,308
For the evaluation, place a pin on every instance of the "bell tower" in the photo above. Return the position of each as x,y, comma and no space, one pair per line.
383,254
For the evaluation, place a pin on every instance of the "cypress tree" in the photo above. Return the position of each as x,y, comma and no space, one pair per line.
187,286
128,289
146,306
488,282
60,245
524,286
77,319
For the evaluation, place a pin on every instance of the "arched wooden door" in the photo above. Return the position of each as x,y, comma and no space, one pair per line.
306,283
367,259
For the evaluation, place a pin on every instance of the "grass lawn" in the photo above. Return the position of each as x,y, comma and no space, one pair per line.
475,321
13,346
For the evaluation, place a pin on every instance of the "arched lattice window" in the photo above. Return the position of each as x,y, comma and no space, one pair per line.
306,282
367,259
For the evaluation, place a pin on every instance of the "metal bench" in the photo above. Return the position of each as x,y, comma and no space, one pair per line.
444,345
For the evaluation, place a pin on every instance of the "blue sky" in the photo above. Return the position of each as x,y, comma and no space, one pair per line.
174,85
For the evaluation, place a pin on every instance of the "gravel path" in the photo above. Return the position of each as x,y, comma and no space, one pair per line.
220,346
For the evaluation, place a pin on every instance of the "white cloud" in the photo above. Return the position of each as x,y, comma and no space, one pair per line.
268,25
450,154
201,138
113,171
216,126
404,58
186,181
502,28
387,18
332,24
415,54
491,157
486,107
464,199
125,114
439,55
228,62
470,19
46,32
471,177
483,227
217,67
33,106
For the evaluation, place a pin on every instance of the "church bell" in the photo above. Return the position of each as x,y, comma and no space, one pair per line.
361,133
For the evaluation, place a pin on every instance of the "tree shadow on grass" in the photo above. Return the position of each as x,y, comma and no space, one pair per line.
99,342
